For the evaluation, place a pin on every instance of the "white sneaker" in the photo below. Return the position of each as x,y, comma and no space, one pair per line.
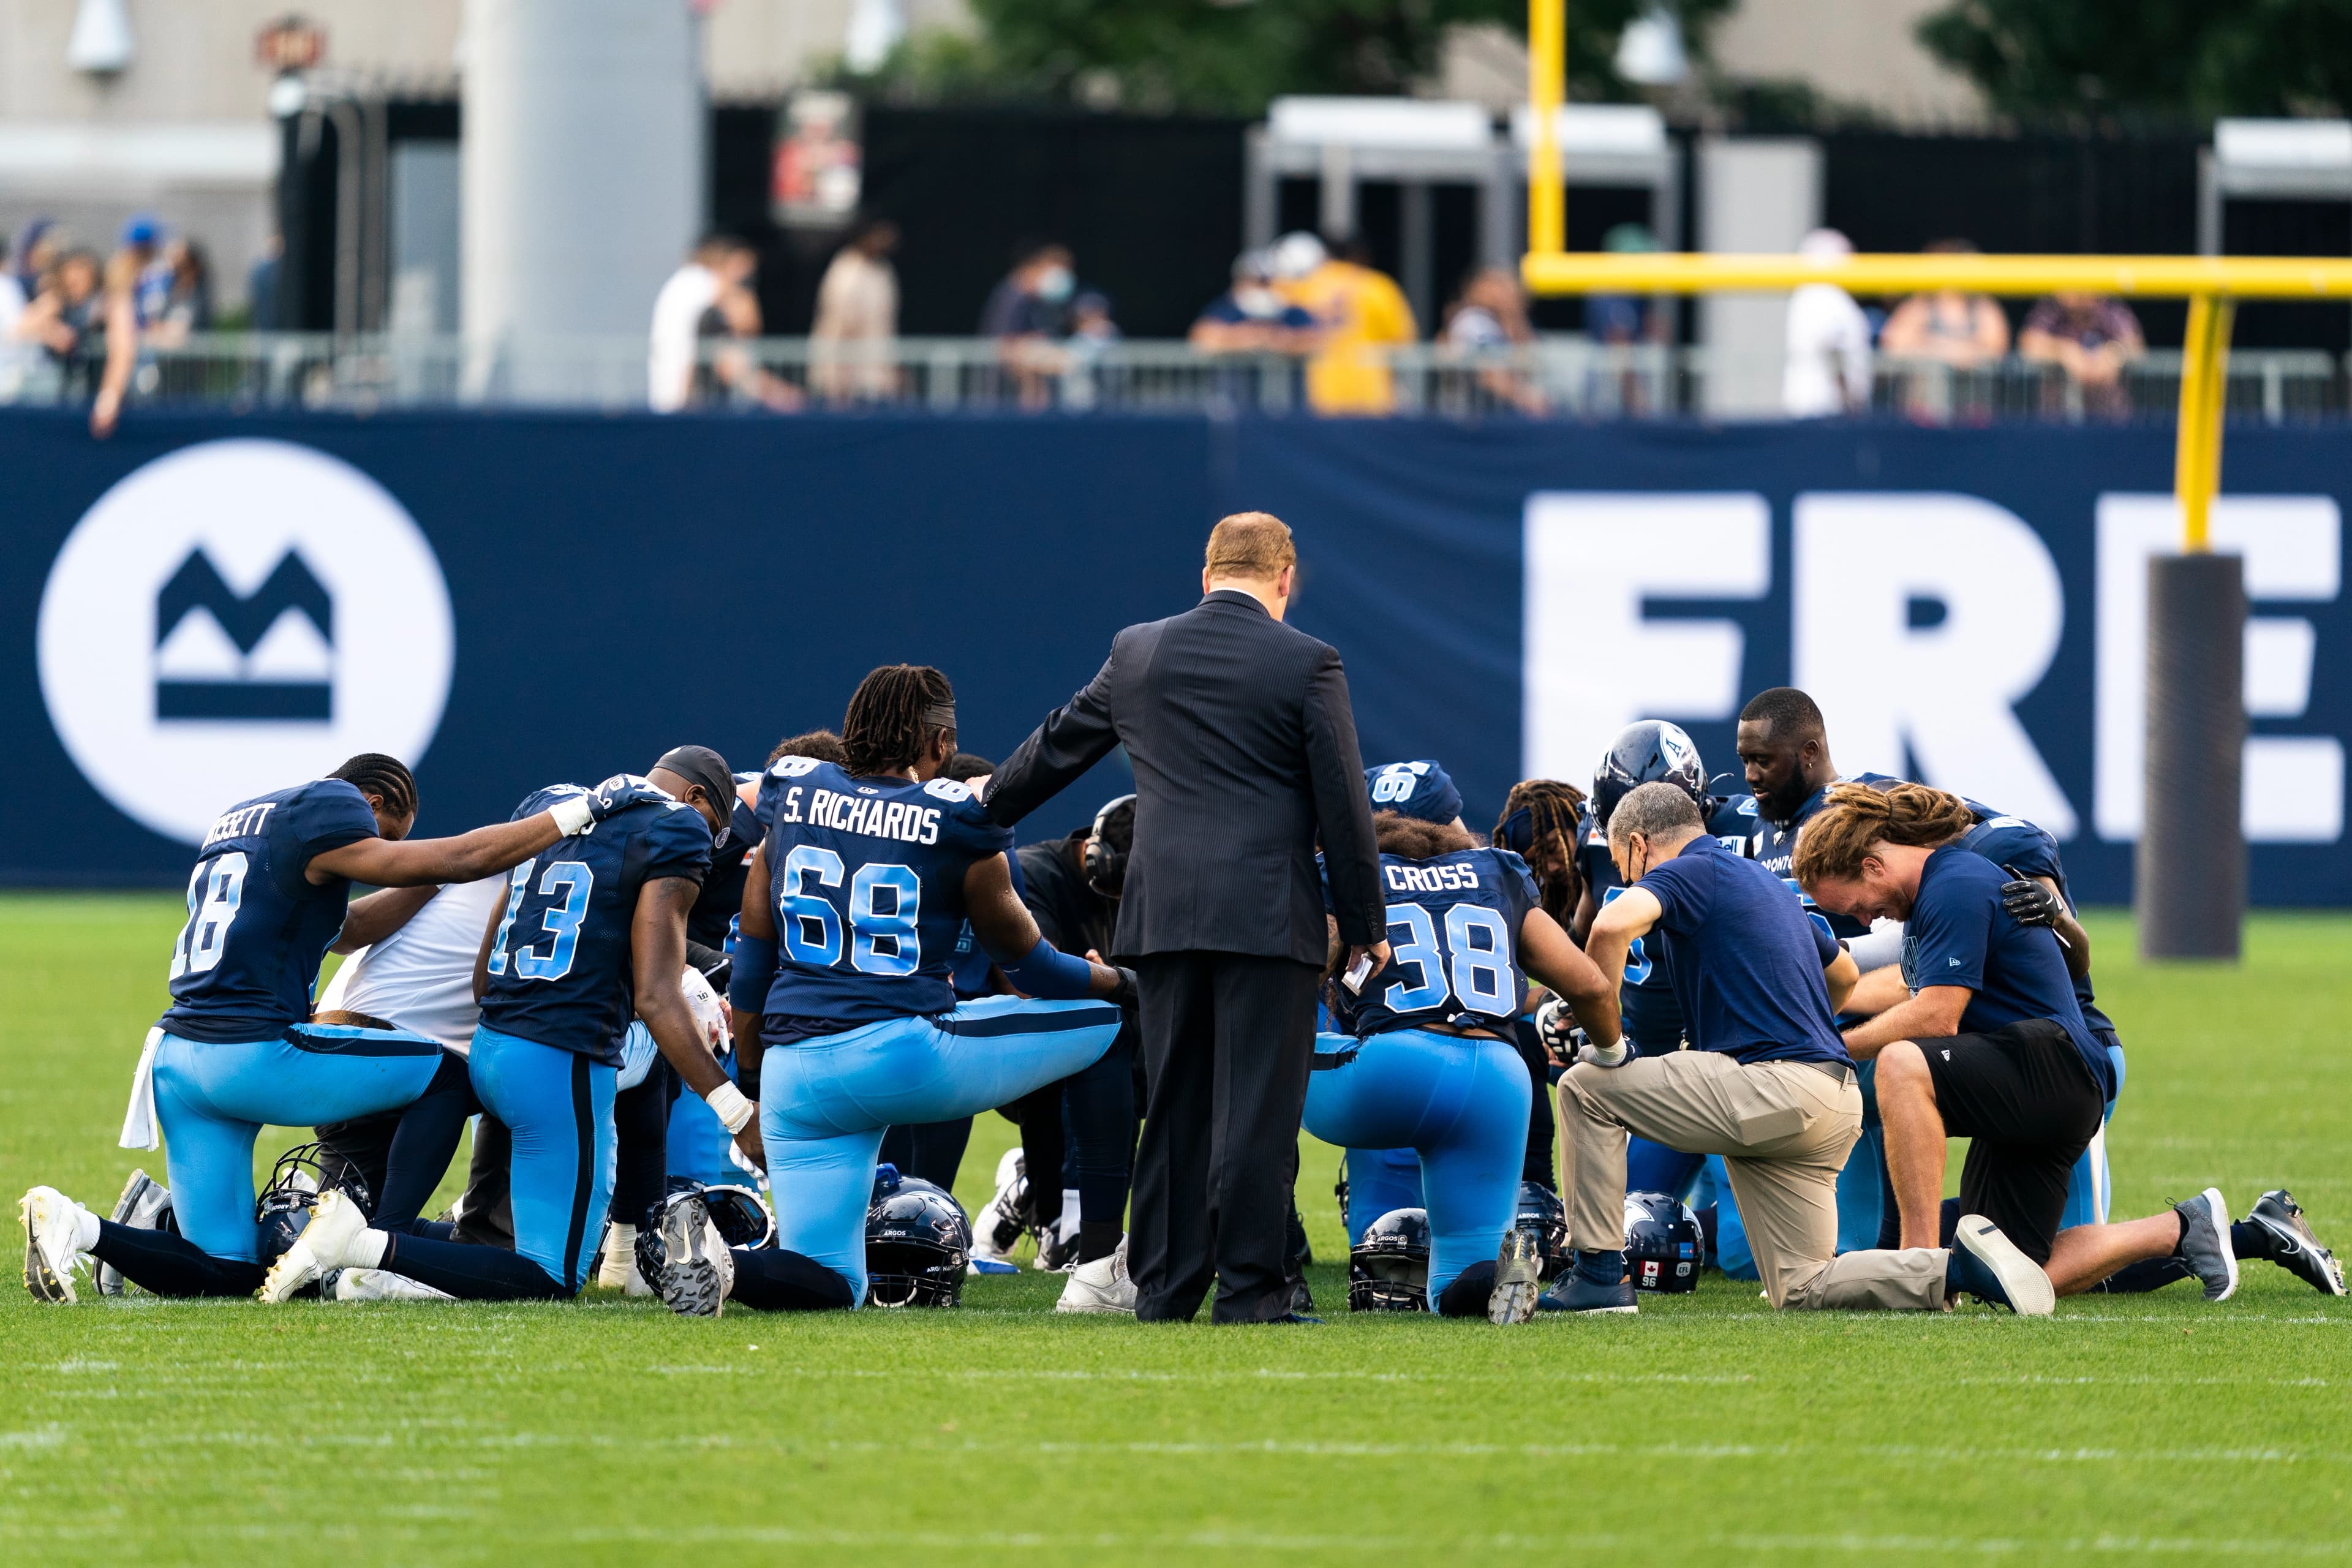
1101,1286
2022,1281
143,1206
378,1284
325,1244
996,1229
52,1244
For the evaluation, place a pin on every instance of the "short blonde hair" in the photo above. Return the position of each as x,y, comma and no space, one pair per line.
1253,545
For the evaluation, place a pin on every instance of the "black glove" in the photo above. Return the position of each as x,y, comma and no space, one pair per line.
1126,995
2029,904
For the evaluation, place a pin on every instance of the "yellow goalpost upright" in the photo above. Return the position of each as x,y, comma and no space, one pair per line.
2187,725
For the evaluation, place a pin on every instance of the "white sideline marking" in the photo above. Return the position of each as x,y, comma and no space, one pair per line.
1251,1540
47,1437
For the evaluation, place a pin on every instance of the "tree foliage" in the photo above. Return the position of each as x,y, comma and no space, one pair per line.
2156,59
1231,57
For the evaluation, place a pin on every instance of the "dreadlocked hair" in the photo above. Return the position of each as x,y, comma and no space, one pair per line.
885,729
1857,817
1411,839
385,777
1554,807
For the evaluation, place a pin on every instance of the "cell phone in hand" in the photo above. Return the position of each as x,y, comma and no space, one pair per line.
1358,972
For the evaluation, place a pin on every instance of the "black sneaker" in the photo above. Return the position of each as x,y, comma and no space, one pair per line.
2296,1249
2205,1243
1574,1293
1302,1300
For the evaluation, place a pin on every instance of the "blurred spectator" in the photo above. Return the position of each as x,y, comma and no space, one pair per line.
1618,324
1490,319
857,319
1964,330
1091,319
1828,369
1028,314
1362,312
37,252
188,307
708,301
1091,332
2091,338
118,305
12,313
143,257
1251,317
261,288
67,319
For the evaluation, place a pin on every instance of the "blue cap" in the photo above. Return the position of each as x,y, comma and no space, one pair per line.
144,228
1413,789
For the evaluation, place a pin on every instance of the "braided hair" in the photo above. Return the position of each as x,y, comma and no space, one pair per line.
1858,818
385,777
1545,835
894,717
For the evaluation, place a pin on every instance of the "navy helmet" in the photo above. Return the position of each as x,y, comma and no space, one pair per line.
1645,751
918,1243
1388,1270
1663,1243
1418,789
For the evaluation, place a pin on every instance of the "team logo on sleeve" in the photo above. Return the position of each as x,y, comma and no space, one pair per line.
235,614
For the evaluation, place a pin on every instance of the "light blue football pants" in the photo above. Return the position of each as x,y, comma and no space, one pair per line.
1460,1103
558,1105
825,1102
212,1101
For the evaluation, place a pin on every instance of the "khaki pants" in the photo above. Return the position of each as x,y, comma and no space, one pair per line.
1783,1129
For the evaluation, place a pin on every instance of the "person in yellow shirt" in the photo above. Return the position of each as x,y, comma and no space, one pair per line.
1363,313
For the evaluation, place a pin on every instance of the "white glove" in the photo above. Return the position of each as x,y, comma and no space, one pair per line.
710,1013
1556,1027
1615,1055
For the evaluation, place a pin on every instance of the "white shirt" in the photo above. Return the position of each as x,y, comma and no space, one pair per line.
421,977
692,289
1828,334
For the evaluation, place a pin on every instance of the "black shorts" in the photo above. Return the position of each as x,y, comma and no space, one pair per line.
2026,1100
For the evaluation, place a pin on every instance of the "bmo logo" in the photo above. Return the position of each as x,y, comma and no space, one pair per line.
235,617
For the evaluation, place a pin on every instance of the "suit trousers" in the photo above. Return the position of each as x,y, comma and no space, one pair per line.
1783,1129
1228,1042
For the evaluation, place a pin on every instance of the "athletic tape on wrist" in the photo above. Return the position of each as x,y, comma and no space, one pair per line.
572,816
730,1105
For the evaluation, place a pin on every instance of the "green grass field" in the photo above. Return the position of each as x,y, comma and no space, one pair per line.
610,1431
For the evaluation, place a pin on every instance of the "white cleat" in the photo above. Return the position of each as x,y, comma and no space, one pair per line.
378,1284
143,1206
996,1230
324,1244
2025,1288
1518,1279
1101,1286
52,1244
697,1269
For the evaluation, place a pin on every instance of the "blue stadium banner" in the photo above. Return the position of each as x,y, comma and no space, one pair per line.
209,606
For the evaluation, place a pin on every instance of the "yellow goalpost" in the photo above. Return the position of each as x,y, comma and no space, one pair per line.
2210,283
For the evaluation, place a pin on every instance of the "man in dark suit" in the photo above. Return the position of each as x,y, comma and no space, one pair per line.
1244,753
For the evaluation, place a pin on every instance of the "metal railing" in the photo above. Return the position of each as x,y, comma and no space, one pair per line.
1560,376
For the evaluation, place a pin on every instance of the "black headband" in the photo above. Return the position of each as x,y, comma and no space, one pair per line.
941,716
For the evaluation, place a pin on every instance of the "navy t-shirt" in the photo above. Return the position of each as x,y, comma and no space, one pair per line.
246,962
2016,845
1958,934
866,875
1646,1002
1745,959
560,968
1453,935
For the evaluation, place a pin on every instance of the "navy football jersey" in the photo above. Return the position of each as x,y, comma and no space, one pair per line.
712,918
559,971
1453,933
1775,847
2016,845
246,962
866,876
1652,1018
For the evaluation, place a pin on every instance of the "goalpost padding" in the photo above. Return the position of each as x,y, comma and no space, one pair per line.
2190,884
